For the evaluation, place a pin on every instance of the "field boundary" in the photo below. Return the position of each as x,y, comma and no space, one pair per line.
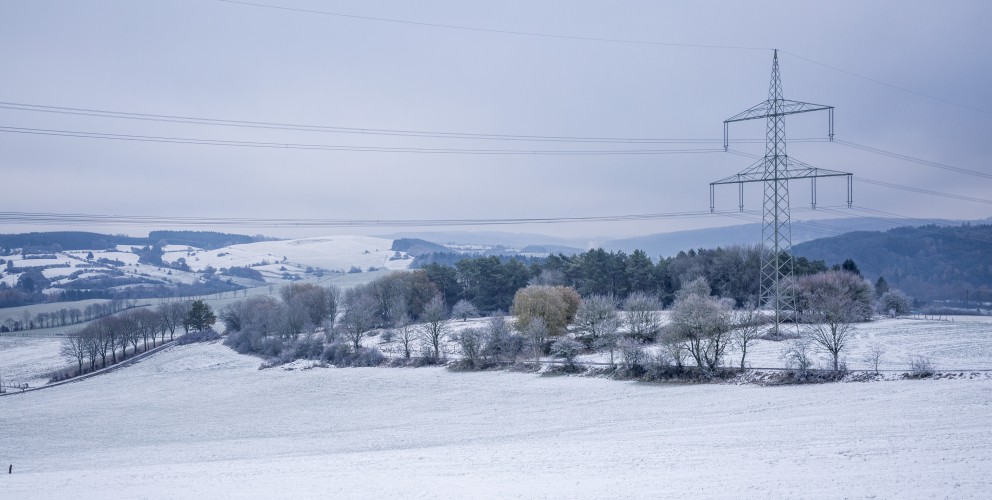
101,371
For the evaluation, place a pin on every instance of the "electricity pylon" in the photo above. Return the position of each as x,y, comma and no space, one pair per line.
775,170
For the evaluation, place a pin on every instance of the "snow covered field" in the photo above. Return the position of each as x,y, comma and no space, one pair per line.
26,360
334,253
203,422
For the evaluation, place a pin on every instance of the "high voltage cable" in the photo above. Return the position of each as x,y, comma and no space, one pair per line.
190,120
493,30
608,40
903,217
912,159
102,113
889,85
942,166
329,147
924,191
147,220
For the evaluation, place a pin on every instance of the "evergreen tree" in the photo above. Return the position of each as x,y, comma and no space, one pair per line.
200,316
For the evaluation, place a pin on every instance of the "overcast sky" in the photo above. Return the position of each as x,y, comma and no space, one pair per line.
214,59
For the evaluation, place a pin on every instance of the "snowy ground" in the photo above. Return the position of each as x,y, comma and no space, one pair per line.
203,422
334,253
957,343
28,360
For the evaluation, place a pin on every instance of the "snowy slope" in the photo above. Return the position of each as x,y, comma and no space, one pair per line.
203,422
333,253
26,360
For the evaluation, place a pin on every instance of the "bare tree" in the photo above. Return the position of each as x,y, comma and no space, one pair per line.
499,339
124,332
597,316
873,356
359,315
831,312
536,333
747,324
407,334
104,337
148,322
434,327
641,314
472,343
73,347
463,310
313,299
701,323
173,314
92,345
798,355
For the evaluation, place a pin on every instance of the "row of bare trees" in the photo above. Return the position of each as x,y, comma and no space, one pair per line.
66,315
135,330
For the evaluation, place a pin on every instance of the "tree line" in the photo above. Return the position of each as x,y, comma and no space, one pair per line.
65,316
490,282
132,330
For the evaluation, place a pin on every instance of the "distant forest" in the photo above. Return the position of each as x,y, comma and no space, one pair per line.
80,240
928,262
490,282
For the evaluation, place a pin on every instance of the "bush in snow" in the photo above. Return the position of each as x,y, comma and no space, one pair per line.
567,348
921,366
205,335
632,356
344,354
798,355
471,343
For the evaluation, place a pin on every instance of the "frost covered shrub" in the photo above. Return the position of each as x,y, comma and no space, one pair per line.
307,346
921,366
567,348
205,335
254,342
343,354
632,355
799,356
471,343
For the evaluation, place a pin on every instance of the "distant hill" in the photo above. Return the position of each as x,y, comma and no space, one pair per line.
80,240
670,244
928,262
550,249
489,238
67,240
417,247
207,240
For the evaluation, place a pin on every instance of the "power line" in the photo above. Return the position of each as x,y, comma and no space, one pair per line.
610,40
925,191
157,220
889,85
103,113
912,159
495,31
903,217
328,147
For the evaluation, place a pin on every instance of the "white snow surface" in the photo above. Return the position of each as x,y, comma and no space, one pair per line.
333,253
28,360
201,421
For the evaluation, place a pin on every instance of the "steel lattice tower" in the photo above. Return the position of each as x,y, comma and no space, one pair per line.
775,170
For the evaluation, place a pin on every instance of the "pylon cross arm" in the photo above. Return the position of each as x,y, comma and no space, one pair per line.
789,169
778,107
